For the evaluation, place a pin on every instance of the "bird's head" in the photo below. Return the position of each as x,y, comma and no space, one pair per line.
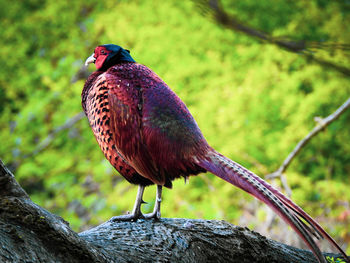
108,55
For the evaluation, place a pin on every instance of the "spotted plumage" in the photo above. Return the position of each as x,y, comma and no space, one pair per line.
96,106
149,136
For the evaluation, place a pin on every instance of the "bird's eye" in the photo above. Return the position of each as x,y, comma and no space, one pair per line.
103,52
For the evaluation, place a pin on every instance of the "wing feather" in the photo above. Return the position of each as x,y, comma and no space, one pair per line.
126,124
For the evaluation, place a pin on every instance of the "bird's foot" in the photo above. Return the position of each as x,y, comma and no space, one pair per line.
136,212
155,215
134,217
128,217
156,211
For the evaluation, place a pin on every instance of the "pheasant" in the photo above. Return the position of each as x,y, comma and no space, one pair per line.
149,136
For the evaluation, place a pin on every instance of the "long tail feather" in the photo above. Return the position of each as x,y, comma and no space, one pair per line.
239,176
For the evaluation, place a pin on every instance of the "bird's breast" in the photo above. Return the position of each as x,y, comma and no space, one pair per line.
99,116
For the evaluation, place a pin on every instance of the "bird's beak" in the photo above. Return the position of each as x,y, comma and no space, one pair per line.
90,59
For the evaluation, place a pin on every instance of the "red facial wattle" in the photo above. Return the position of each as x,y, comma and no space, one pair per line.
99,61
101,55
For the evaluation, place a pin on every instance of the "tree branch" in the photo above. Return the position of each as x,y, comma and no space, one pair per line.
51,136
321,124
9,185
214,8
82,73
29,233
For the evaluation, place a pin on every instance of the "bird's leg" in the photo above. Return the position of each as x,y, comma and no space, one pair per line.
156,211
136,211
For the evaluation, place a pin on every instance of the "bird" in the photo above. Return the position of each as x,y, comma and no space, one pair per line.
150,137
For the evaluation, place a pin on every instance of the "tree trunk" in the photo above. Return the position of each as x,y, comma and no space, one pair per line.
29,233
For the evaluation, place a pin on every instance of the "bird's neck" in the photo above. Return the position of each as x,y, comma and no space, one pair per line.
121,57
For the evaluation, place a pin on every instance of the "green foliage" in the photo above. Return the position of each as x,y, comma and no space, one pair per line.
335,260
253,102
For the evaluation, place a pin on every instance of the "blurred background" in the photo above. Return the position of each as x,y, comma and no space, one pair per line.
253,83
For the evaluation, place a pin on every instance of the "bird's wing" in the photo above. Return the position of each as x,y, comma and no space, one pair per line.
126,124
170,132
152,127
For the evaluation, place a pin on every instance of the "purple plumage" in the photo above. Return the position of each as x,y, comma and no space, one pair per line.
150,137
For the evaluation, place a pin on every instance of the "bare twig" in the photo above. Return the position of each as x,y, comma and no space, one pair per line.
82,73
47,141
321,124
214,8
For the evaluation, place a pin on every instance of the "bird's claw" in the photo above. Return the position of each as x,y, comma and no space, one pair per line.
134,218
128,217
155,215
